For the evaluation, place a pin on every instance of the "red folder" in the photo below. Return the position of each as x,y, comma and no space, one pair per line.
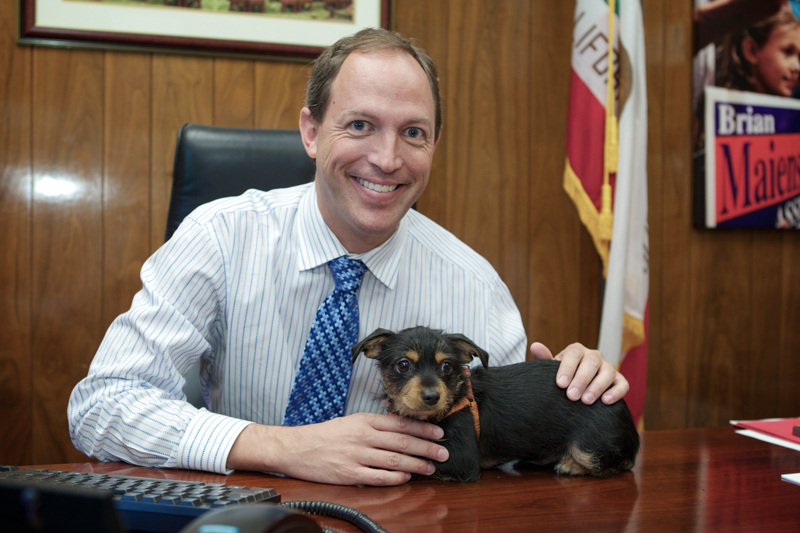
781,428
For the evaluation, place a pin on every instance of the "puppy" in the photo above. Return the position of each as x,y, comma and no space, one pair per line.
499,414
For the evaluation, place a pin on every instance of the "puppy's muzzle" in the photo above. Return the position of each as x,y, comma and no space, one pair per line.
430,396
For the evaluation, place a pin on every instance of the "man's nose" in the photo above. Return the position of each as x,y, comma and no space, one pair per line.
385,153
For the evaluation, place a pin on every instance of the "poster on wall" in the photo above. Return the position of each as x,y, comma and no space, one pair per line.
746,104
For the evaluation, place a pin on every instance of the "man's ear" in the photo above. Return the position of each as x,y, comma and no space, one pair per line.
439,138
468,349
308,131
371,346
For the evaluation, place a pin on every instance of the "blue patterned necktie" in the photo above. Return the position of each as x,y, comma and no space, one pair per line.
320,388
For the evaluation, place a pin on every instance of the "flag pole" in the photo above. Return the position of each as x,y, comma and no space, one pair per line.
611,147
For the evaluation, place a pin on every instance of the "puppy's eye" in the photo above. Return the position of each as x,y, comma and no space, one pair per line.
403,366
447,368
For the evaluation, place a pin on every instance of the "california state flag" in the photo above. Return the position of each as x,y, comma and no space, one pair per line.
606,174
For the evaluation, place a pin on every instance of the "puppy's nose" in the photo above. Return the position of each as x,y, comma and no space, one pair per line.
430,397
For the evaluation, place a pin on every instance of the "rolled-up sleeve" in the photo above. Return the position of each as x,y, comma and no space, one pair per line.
131,405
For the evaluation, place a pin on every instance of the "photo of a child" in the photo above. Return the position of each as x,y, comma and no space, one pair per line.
745,45
746,112
762,58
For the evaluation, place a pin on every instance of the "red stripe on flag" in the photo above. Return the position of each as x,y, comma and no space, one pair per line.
634,368
585,137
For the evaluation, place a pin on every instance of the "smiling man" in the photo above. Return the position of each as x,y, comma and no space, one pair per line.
374,147
245,284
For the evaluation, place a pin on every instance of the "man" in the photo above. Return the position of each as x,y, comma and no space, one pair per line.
242,279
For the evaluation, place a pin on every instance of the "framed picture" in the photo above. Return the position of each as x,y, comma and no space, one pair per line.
746,115
288,29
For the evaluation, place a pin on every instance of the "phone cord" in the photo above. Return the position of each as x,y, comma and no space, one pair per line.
334,510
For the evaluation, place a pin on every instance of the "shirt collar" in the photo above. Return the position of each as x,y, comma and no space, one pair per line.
318,245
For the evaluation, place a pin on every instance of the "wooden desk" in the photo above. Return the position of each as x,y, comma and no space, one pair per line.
708,479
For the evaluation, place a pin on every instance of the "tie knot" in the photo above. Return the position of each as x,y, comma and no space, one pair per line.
347,273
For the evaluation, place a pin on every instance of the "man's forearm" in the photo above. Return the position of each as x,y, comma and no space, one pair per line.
140,426
363,448
253,448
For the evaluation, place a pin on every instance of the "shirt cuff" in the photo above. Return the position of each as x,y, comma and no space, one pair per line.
207,441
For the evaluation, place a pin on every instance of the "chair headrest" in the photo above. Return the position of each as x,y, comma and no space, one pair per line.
213,162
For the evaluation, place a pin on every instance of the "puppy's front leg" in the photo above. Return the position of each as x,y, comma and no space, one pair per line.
461,440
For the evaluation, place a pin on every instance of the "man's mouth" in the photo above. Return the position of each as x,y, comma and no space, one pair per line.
375,187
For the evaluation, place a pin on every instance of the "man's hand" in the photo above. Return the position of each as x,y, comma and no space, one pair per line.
585,374
360,449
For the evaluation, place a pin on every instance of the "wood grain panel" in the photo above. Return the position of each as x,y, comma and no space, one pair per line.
788,403
15,241
67,236
126,179
182,92
428,24
279,94
488,131
653,20
474,91
513,133
675,223
234,93
555,231
720,299
756,376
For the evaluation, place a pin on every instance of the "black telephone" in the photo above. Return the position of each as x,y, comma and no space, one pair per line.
255,518
287,517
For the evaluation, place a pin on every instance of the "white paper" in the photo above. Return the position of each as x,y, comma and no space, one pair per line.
791,478
768,438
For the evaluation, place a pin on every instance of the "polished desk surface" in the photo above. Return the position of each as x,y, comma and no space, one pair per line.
707,479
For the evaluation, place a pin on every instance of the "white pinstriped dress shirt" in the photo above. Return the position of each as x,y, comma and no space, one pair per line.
239,285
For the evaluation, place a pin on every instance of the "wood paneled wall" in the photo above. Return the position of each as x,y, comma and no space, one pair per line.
86,149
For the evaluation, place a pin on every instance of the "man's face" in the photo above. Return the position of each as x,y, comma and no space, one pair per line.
374,147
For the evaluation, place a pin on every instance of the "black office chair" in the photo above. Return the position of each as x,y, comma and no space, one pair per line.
214,162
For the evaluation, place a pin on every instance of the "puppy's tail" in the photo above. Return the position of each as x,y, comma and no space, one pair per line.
603,451
619,452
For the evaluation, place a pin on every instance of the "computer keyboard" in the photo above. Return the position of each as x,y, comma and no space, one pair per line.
147,504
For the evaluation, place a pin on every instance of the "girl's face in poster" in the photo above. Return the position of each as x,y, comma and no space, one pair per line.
776,65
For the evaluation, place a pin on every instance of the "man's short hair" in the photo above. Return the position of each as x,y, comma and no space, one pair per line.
328,64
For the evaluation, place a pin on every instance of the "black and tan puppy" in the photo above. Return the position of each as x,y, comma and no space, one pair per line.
499,414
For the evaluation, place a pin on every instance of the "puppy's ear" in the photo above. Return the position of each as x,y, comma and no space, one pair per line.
468,349
371,346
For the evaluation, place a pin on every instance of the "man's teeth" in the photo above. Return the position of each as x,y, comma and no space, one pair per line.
376,187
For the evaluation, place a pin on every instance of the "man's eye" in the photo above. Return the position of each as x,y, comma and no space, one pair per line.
414,133
403,366
359,125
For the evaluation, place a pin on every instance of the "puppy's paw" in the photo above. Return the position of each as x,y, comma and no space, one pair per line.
508,468
576,463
